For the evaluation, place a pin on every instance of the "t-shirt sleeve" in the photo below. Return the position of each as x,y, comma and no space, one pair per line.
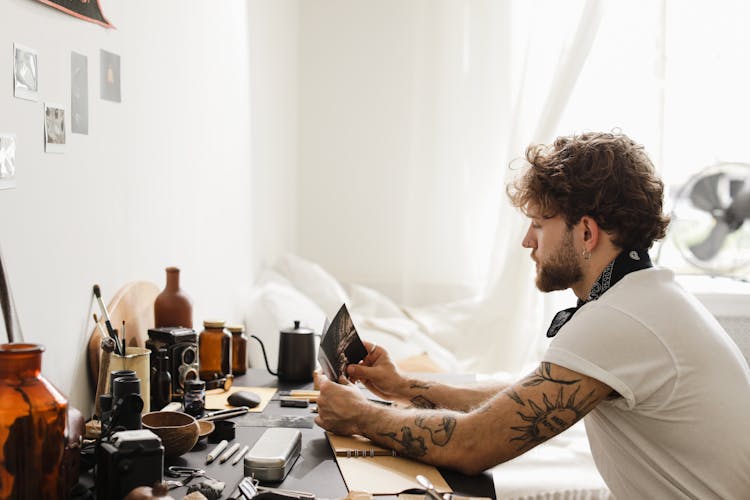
606,344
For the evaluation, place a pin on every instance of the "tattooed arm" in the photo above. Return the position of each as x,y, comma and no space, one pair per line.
534,409
380,375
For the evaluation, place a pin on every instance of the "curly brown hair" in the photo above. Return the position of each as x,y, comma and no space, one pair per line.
606,176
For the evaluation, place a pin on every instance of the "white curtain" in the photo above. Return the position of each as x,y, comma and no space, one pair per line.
501,328
413,110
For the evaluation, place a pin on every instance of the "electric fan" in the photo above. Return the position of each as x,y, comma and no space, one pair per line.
708,219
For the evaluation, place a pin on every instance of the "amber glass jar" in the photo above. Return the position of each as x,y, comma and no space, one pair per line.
214,351
239,349
172,306
33,417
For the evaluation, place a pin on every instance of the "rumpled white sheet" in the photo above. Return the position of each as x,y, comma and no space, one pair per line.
296,289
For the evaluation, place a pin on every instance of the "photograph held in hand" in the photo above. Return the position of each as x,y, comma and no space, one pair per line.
340,345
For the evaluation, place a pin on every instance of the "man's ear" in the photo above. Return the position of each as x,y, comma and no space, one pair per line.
590,232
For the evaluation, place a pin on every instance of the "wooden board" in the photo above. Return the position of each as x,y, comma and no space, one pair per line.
134,304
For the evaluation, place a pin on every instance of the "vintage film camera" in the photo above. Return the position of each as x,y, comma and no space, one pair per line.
182,348
127,460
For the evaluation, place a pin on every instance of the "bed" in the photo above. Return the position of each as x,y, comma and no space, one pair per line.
295,289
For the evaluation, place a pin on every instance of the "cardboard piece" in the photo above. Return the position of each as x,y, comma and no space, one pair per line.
381,475
216,399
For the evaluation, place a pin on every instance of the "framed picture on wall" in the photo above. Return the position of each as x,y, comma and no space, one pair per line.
54,128
109,68
25,72
7,161
79,94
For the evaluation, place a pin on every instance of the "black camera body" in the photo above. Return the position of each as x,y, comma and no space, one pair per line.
127,460
182,348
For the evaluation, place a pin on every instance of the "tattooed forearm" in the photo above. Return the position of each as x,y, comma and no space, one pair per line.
412,446
422,402
542,374
549,418
439,427
515,397
420,385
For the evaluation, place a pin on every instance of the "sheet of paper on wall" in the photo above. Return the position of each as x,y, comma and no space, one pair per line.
340,345
7,161
381,475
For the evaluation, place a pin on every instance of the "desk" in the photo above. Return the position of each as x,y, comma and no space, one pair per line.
316,470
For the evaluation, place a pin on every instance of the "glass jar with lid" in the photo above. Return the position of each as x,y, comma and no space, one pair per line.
239,349
214,350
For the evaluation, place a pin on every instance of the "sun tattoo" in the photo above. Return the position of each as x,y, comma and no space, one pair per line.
552,419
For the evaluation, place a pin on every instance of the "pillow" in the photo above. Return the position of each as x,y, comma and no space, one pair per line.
314,282
272,307
371,303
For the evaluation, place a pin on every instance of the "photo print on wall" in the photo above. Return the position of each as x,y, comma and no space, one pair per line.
25,72
7,161
79,94
54,128
109,65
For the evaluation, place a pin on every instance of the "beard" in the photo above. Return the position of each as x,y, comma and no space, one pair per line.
561,270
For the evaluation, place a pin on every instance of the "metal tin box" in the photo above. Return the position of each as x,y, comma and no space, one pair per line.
274,454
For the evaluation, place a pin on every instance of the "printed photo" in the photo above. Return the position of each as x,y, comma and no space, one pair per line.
109,67
79,94
340,345
54,128
7,161
25,72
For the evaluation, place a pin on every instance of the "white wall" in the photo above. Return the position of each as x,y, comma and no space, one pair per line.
167,177
403,113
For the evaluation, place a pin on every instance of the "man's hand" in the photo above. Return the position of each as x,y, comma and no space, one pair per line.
378,373
340,406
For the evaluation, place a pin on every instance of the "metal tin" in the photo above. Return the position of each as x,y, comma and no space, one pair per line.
274,454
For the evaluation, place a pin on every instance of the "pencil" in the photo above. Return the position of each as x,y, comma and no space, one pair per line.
371,452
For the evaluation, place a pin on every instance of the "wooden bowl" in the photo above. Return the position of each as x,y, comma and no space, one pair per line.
206,428
178,431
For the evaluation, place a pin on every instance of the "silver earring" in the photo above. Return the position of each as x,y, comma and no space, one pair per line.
586,254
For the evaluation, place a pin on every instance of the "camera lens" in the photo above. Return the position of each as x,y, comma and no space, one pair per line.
189,355
186,373
126,385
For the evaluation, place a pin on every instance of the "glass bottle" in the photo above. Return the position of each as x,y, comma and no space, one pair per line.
33,415
214,351
239,349
161,386
194,399
172,306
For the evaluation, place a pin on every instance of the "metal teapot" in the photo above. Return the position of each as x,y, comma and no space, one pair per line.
296,354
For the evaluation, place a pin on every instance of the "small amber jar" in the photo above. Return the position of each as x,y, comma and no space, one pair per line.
239,349
214,351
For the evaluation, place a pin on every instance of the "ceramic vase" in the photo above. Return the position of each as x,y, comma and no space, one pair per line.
172,306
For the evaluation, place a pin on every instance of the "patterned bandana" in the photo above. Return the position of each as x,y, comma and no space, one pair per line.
627,262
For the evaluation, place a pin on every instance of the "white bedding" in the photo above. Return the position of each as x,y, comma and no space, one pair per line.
299,290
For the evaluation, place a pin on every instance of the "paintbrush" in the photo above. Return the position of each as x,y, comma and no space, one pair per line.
107,321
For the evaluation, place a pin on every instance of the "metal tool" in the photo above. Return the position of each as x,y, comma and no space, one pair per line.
429,488
189,473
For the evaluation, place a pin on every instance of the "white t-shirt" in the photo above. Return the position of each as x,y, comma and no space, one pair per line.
680,429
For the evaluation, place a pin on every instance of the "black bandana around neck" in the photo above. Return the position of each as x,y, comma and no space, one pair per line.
627,262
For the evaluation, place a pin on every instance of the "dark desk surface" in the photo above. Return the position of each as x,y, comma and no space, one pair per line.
315,471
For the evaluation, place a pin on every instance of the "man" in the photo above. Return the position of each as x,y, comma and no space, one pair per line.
664,390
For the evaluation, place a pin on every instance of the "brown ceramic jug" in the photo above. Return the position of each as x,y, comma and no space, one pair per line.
172,306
